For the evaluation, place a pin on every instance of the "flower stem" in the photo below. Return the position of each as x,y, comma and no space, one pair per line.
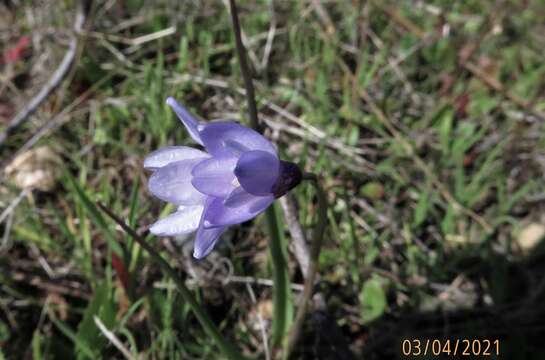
282,290
244,68
282,306
317,238
226,347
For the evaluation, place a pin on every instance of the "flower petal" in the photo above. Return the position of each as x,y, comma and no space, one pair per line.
183,221
206,240
222,138
249,206
215,176
169,154
172,183
257,172
238,197
191,124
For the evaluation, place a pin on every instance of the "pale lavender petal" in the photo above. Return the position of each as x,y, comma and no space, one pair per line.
183,221
238,197
222,138
257,172
235,148
205,241
172,183
249,206
191,124
215,176
169,154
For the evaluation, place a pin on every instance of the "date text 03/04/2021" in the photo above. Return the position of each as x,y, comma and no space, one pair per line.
454,347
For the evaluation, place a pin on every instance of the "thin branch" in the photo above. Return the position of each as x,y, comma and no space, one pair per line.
53,83
317,239
246,74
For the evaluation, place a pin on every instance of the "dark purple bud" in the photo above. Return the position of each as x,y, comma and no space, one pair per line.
290,176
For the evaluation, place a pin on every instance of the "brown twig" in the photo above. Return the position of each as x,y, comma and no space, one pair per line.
53,83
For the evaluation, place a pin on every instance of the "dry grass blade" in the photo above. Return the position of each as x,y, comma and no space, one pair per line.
113,339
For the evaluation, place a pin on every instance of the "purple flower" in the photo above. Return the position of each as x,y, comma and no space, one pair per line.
236,179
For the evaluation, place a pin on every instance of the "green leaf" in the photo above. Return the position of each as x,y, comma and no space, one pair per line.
421,210
36,346
372,190
372,300
445,132
4,332
448,222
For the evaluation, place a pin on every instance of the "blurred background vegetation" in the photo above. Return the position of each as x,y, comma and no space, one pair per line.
425,118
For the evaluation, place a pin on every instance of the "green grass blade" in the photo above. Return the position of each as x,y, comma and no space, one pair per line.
282,299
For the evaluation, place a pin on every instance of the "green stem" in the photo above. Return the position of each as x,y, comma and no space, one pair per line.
226,347
244,68
282,290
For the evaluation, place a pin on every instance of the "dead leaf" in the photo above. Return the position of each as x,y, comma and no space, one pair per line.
38,168
528,238
263,309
